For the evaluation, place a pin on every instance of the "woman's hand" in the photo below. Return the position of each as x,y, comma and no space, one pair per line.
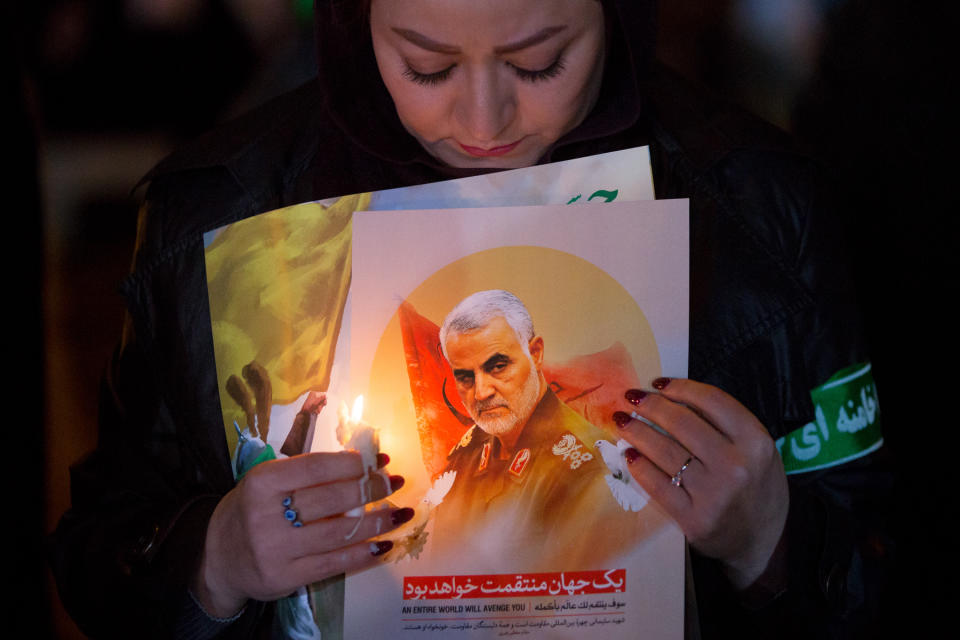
732,497
253,551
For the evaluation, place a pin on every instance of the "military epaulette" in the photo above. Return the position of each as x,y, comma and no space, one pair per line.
572,450
465,440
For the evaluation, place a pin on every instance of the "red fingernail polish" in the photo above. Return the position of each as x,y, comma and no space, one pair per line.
632,455
382,460
622,419
635,396
396,482
399,516
380,547
660,383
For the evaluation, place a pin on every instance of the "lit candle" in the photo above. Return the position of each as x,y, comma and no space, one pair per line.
356,435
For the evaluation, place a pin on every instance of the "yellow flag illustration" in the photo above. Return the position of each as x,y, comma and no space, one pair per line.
277,284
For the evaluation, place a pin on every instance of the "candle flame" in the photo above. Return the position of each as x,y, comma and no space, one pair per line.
357,414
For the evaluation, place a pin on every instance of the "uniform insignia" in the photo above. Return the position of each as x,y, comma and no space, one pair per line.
484,456
520,462
571,449
464,441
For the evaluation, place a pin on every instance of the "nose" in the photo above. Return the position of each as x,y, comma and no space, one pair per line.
483,388
486,106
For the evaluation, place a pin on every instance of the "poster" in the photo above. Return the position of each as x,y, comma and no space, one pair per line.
538,545
284,289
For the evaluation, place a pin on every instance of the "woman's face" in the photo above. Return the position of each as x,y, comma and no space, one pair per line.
489,83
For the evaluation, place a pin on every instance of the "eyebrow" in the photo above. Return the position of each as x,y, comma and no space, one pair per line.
425,42
491,361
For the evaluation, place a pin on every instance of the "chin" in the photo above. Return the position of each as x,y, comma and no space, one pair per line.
498,426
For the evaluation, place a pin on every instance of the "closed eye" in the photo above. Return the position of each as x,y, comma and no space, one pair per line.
552,70
427,79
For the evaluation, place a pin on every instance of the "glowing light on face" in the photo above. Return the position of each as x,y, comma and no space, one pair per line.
493,83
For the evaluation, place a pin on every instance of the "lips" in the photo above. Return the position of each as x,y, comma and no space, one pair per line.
492,152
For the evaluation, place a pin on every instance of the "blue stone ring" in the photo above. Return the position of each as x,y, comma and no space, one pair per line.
289,513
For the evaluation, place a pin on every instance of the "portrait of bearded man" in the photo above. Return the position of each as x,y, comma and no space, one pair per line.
530,484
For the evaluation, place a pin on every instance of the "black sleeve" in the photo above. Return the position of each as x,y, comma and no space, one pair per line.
837,552
124,552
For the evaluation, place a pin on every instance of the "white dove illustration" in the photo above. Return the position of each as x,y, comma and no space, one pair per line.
441,486
624,488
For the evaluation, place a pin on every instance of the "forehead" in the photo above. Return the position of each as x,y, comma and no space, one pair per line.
481,23
471,349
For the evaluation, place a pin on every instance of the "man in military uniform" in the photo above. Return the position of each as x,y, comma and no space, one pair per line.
530,487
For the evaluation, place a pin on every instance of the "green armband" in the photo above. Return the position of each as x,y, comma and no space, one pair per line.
846,424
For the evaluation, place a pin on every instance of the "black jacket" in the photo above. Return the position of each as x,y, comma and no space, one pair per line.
771,318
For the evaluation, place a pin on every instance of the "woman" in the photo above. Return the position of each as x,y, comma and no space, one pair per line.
412,91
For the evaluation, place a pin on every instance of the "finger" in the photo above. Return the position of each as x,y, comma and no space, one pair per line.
663,451
676,501
312,568
721,409
308,469
333,533
322,501
692,431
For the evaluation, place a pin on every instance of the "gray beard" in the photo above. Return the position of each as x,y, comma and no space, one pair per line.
518,416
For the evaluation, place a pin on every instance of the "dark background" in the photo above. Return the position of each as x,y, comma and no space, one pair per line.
102,89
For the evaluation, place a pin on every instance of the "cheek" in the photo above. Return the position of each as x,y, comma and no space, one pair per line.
513,387
550,112
418,114
559,106
416,105
420,108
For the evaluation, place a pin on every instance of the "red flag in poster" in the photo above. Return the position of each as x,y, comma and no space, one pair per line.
441,416
593,385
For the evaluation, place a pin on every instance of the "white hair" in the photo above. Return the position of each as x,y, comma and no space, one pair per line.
478,310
